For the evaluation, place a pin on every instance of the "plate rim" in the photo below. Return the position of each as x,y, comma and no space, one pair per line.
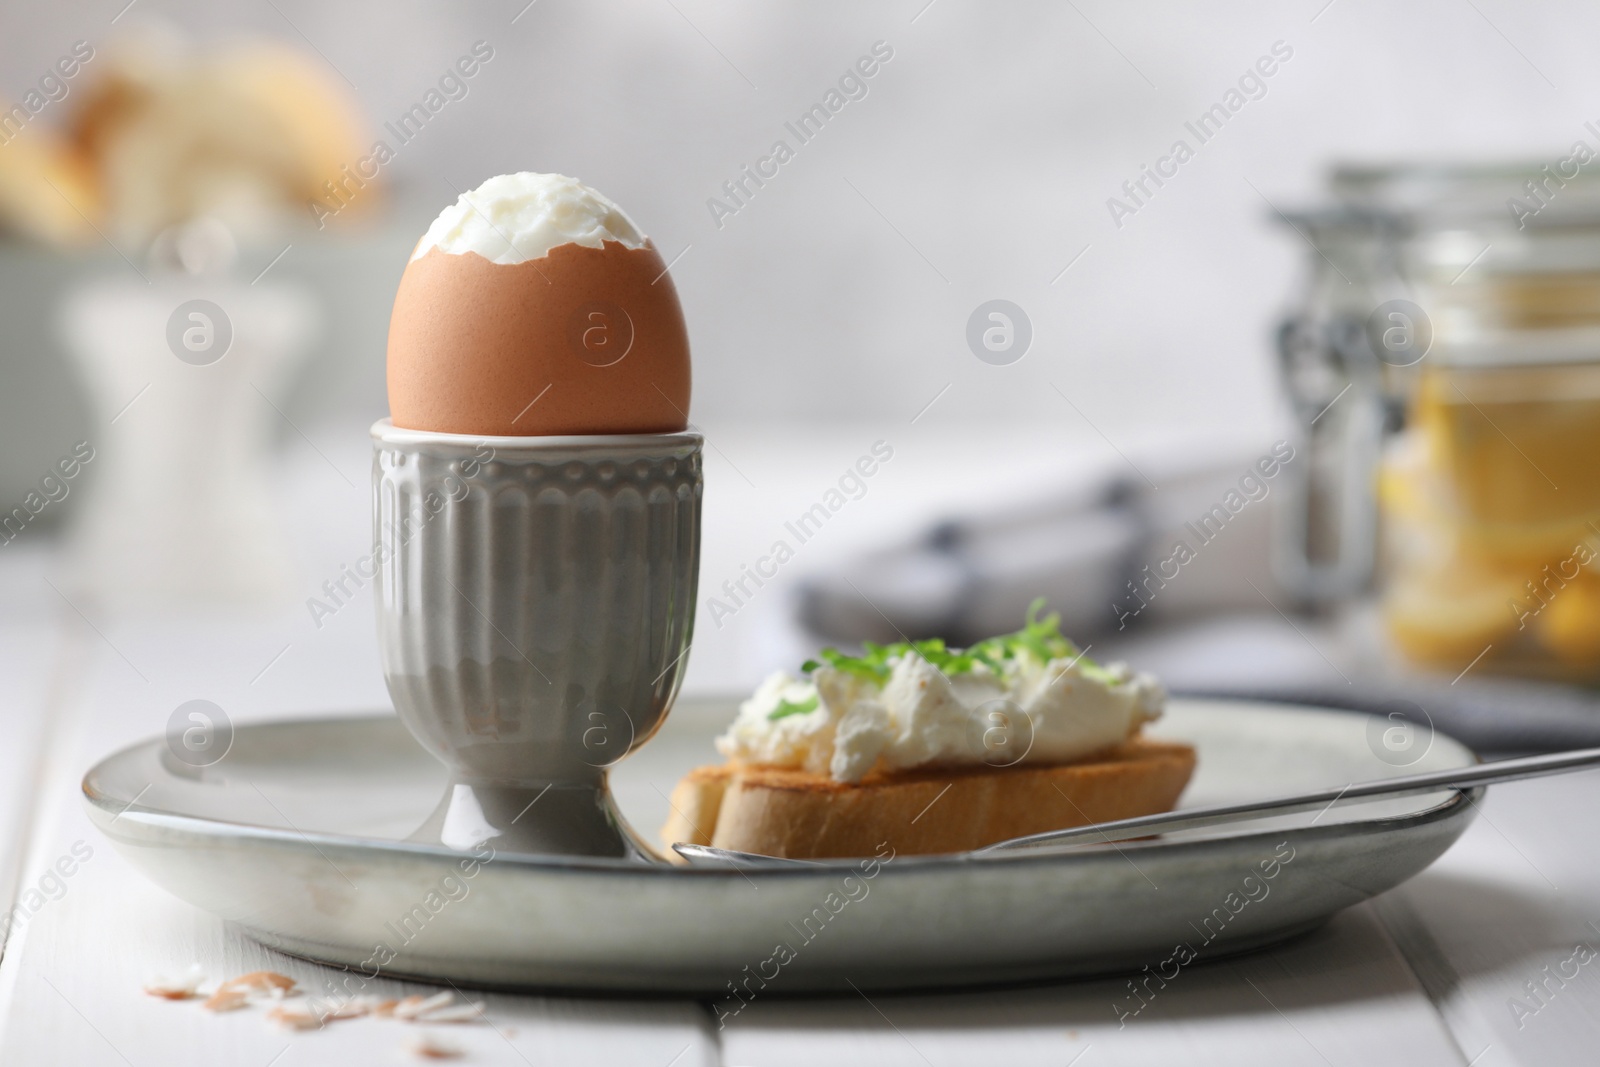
107,810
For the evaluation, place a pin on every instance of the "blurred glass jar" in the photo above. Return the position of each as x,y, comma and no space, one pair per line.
1466,328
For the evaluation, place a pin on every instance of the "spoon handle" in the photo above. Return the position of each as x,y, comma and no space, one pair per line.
1409,785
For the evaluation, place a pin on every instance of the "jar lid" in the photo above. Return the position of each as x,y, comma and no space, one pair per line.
1561,192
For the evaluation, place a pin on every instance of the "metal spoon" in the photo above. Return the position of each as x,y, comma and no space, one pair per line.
707,856
1462,778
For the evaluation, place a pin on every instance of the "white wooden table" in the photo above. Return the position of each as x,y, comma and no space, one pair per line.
1449,969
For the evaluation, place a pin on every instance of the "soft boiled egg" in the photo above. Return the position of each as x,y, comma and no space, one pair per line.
534,306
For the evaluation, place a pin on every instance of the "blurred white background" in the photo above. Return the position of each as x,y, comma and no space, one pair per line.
991,142
831,309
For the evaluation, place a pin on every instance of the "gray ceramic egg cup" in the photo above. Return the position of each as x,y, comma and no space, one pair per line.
535,605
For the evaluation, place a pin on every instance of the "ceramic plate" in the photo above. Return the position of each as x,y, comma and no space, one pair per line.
297,835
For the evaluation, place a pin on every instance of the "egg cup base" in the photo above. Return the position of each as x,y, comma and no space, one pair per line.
556,818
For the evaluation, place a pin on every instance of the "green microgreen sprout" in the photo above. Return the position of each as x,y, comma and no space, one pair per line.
1039,638
787,708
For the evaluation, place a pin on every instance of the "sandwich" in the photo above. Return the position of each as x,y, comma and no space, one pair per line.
932,749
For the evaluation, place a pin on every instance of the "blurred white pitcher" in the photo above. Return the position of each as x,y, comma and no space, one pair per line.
187,375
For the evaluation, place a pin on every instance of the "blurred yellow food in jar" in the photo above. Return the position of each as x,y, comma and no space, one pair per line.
1516,446
1569,625
1448,618
1466,577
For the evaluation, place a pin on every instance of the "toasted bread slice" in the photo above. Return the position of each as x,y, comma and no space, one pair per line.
783,812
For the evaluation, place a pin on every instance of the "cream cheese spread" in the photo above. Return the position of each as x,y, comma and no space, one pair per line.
1023,707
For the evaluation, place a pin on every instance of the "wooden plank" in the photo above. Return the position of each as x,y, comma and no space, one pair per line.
42,646
1342,995
1504,931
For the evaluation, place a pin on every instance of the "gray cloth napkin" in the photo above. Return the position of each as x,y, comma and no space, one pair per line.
1500,716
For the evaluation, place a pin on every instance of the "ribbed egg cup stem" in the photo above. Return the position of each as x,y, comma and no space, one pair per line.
535,607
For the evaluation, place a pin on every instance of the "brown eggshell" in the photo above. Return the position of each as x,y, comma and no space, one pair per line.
529,349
